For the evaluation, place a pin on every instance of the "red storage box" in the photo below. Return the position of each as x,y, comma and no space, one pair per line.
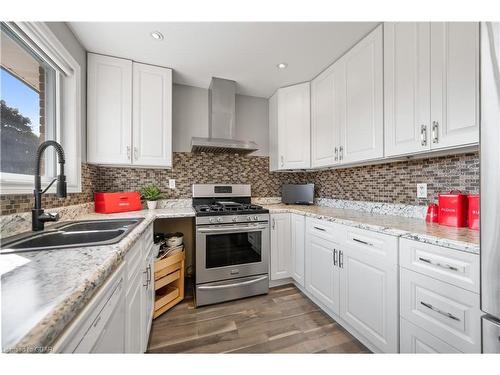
453,209
473,218
106,203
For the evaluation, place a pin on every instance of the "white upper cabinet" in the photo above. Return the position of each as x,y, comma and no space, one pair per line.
109,110
152,129
347,107
454,84
273,133
294,127
129,113
431,86
363,132
407,87
327,116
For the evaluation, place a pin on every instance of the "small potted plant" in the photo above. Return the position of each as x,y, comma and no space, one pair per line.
151,193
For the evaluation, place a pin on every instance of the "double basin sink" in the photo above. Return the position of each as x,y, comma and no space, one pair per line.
73,234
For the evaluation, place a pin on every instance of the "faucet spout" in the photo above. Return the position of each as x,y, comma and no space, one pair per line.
38,216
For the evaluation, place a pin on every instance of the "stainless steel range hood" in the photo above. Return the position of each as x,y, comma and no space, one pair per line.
222,122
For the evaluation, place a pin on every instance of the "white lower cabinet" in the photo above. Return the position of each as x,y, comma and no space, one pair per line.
450,313
298,242
369,287
439,296
119,316
280,246
322,276
354,274
417,340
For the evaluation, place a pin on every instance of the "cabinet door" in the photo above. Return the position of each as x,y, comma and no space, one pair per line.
152,125
327,115
294,127
369,297
298,227
148,296
406,87
273,133
454,84
112,338
363,131
322,276
280,246
109,110
134,315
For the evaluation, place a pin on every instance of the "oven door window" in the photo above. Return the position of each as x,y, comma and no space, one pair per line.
233,248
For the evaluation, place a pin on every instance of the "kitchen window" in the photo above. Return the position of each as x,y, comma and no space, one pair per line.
40,100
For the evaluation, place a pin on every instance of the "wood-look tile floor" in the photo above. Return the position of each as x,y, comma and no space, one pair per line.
283,321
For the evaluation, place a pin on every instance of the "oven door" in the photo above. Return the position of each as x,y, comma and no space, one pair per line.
231,251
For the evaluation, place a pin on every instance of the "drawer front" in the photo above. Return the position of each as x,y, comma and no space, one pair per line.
324,229
417,340
452,266
452,314
380,247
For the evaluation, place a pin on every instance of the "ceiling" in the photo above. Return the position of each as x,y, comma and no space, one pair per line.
246,52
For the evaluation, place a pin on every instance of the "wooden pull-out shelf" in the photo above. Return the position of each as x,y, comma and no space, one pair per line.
169,282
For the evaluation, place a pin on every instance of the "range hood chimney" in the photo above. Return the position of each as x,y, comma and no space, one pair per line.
222,122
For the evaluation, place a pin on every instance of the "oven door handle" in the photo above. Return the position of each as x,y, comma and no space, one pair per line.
231,229
233,285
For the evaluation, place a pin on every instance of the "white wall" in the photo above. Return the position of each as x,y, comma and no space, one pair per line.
71,43
190,118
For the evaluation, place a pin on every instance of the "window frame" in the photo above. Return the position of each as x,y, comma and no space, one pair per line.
42,40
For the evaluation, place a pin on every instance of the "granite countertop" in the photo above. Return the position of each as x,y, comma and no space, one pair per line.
462,239
47,289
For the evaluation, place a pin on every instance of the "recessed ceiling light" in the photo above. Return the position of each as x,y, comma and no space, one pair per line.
282,65
157,35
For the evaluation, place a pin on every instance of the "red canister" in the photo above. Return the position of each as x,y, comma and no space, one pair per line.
453,209
106,203
473,211
432,213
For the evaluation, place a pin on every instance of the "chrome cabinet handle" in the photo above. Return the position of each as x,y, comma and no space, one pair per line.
435,132
336,154
147,281
362,242
442,265
341,259
135,153
341,153
423,135
334,257
128,152
444,313
321,229
274,223
282,161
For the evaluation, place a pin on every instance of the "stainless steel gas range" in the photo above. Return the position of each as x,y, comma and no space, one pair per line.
232,244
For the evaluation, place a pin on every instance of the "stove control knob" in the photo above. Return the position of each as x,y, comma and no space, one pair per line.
256,217
249,218
211,220
219,220
235,218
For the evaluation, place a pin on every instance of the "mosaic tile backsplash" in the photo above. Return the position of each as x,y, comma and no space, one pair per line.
390,183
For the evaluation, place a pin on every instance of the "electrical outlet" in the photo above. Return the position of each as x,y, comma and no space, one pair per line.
421,190
171,183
